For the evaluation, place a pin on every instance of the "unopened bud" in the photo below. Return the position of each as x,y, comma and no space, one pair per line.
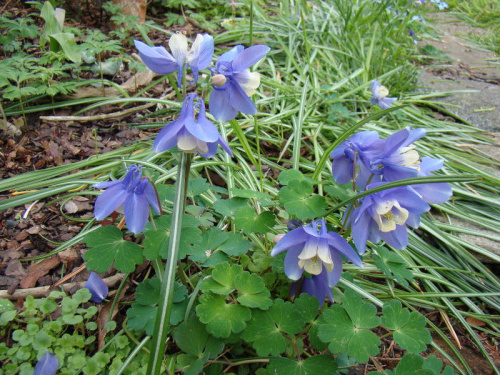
278,237
219,80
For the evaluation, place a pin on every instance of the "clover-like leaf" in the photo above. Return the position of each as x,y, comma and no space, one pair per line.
409,327
222,280
228,207
434,364
192,338
316,365
299,200
393,265
249,222
197,186
156,241
251,291
346,328
142,314
307,306
107,247
222,318
267,328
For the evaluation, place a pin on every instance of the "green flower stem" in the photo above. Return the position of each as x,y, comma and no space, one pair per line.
259,160
405,182
166,296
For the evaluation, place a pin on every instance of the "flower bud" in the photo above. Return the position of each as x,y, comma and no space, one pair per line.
219,80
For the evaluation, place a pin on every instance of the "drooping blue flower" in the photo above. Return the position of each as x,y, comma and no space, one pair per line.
442,5
191,134
434,193
97,287
233,83
357,151
379,95
132,195
384,215
160,61
313,249
399,159
315,285
47,365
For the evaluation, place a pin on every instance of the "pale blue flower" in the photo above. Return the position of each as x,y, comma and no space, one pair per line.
434,193
384,215
379,95
160,61
233,83
313,249
399,159
133,195
191,133
442,5
97,287
358,151
47,365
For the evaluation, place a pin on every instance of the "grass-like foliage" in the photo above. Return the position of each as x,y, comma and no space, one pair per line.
231,304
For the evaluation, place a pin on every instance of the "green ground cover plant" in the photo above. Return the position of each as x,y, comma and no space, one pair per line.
217,296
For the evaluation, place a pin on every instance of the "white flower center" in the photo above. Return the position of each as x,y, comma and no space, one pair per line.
409,157
314,255
219,80
381,92
389,214
187,143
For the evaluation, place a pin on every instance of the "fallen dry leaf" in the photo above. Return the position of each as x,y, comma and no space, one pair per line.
38,270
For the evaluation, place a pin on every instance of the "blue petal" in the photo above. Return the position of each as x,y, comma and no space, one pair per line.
220,107
249,56
152,197
156,58
109,201
239,99
428,165
408,199
375,85
204,129
47,365
342,170
339,244
334,276
434,193
360,230
107,184
136,209
291,264
291,239
167,137
231,54
206,52
225,146
97,287
397,238
386,103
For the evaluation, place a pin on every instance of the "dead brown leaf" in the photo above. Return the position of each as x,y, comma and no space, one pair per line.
38,270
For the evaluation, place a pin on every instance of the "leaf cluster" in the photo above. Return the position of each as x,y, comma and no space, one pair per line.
66,328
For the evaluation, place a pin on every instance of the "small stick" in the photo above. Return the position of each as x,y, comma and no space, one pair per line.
43,290
75,272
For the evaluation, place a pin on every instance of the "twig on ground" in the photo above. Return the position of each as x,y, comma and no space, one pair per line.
44,290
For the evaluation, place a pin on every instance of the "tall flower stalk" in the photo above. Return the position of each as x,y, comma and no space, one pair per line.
167,290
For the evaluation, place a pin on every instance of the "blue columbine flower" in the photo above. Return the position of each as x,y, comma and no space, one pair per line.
233,83
442,5
399,159
358,150
316,286
191,134
161,62
47,365
432,193
379,95
313,249
133,195
384,215
97,287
